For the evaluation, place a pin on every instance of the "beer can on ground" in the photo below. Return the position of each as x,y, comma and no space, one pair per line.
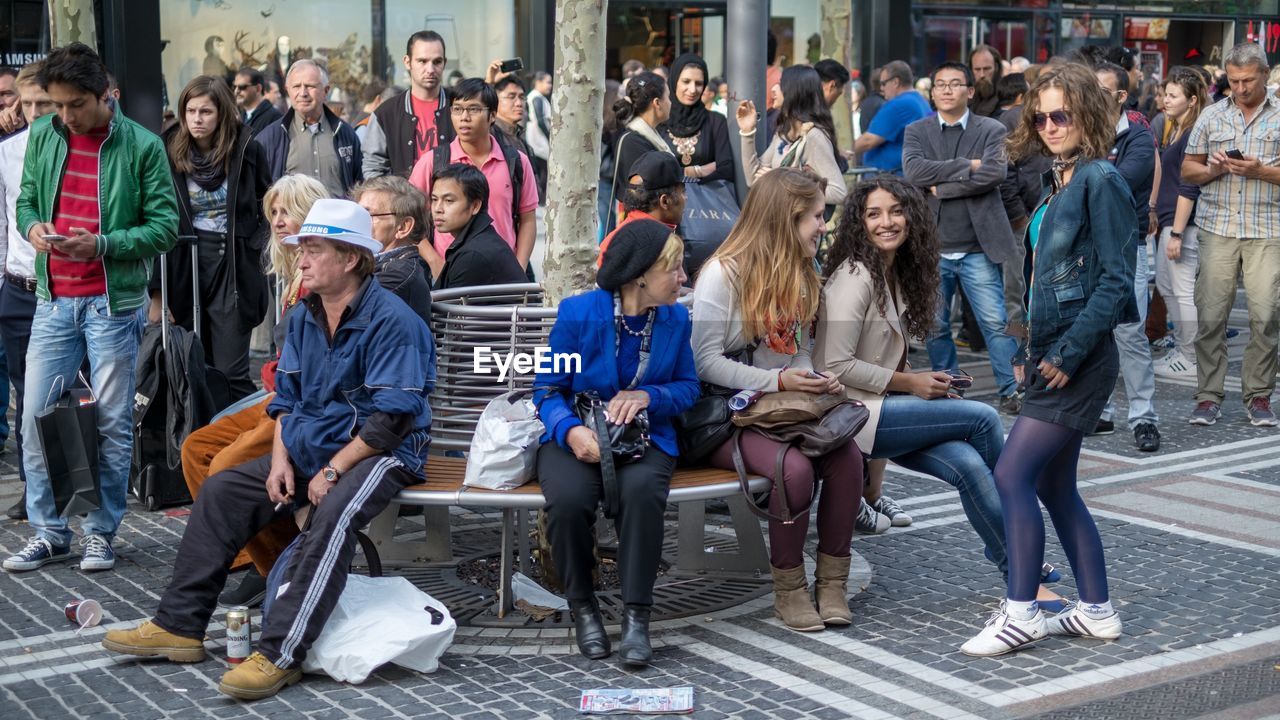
239,635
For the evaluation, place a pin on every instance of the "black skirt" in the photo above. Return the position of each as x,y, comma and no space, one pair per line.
1079,404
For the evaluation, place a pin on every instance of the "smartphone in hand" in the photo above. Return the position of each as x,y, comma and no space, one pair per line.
54,238
512,65
1235,154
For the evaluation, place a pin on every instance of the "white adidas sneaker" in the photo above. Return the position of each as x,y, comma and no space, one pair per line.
1003,634
1074,623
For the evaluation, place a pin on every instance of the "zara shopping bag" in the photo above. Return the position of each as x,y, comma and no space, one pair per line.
710,210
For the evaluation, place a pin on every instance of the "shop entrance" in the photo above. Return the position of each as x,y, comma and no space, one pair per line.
1166,42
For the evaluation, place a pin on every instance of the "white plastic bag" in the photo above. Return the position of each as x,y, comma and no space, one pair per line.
377,621
505,444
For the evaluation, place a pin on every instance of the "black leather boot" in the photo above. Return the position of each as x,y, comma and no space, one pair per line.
593,642
635,650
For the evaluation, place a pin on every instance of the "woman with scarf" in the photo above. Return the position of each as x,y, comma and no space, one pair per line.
698,137
220,175
644,106
754,307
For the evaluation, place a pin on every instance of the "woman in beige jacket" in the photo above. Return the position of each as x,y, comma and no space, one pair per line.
882,290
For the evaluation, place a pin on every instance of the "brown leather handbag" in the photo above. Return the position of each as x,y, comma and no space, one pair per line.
813,424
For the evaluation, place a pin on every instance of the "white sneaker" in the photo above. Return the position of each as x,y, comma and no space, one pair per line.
1075,623
1004,634
1175,365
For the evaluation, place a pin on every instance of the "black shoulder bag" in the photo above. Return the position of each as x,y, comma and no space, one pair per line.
619,444
708,424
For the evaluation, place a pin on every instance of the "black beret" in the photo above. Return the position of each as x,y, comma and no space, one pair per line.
634,249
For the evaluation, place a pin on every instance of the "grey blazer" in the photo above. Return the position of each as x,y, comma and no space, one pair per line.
924,166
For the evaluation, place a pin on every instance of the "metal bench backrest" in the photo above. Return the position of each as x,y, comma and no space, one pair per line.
503,318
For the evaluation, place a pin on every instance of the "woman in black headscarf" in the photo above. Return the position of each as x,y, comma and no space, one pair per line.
699,138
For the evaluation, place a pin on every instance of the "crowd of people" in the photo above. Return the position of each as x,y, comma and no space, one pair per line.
1023,198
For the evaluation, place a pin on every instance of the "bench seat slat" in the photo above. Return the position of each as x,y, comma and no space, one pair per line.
445,474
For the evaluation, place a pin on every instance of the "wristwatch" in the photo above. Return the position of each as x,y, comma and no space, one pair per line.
1175,234
330,473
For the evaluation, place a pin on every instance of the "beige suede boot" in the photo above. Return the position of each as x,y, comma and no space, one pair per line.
791,601
831,589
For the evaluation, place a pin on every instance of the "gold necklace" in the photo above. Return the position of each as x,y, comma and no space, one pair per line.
686,146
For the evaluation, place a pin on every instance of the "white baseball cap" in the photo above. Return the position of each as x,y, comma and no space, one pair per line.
341,221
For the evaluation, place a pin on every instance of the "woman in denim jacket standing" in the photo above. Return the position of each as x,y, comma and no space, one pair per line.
1084,241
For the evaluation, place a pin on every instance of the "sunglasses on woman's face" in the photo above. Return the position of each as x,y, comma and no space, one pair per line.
1060,118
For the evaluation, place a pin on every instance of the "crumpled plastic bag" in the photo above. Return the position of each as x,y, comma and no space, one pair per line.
505,444
377,621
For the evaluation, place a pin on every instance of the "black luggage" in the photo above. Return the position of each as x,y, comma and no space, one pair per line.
176,394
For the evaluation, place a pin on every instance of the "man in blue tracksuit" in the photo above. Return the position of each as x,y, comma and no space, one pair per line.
352,429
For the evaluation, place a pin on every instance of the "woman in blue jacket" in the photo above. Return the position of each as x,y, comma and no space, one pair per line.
1084,238
633,341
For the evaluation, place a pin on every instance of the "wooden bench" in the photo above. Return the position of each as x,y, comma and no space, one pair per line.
511,317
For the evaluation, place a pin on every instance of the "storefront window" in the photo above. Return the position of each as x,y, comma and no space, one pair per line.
215,37
475,33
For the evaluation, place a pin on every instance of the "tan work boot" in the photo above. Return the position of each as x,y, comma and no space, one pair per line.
151,640
791,601
257,678
831,589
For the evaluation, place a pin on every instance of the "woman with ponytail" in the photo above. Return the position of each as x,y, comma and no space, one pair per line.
644,106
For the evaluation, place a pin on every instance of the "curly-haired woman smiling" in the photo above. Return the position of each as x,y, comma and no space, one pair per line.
882,290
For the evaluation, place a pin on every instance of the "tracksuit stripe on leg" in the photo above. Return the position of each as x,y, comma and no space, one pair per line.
325,568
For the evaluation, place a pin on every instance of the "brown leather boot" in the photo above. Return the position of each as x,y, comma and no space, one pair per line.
149,639
831,589
791,601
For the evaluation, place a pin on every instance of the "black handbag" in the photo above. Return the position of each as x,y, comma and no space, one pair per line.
705,426
619,444
708,424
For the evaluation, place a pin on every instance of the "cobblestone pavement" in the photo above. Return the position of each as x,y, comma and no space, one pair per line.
1192,537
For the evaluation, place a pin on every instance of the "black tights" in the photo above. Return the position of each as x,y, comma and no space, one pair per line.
1039,460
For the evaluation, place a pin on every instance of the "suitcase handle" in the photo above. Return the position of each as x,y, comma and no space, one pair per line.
191,241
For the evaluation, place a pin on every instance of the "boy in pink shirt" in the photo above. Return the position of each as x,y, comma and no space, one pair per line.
473,111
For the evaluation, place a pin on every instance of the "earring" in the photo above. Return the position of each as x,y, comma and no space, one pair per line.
642,283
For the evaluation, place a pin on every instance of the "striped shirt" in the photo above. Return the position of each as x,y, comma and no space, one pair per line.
77,207
1230,205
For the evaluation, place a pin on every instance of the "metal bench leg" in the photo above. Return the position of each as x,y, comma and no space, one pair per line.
435,547
692,555
522,541
506,600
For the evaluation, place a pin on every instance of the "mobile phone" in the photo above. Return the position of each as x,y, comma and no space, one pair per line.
816,376
960,379
512,65
55,238
1235,154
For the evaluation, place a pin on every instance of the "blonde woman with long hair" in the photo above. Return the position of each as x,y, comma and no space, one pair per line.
754,306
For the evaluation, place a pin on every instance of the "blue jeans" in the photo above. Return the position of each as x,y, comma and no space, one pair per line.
1135,356
62,332
958,442
983,284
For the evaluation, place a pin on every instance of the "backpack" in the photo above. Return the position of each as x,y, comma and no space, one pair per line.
515,169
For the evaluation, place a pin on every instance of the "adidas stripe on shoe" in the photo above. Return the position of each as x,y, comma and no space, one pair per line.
1074,623
1004,634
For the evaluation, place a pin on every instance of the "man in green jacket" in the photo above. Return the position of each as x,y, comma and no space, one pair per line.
97,205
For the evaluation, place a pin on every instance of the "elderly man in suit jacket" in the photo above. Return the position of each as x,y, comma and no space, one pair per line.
959,159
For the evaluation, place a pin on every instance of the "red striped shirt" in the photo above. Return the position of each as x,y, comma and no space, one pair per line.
77,207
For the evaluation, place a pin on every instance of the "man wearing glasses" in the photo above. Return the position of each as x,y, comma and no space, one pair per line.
513,188
958,158
258,111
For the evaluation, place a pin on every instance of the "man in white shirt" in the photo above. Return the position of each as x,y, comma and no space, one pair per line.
18,290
